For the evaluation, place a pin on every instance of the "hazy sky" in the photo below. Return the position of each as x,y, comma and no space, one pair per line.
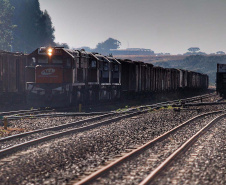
161,25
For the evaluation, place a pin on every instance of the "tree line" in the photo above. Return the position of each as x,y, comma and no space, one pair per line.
25,27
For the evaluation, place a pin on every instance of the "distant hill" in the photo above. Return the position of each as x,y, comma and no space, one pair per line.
204,64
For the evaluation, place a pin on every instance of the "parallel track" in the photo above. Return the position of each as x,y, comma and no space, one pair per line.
179,151
91,178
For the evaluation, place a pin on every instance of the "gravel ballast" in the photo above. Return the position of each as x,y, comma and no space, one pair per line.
67,158
135,169
71,156
203,163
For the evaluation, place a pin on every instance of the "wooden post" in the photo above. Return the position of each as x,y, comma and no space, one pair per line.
5,123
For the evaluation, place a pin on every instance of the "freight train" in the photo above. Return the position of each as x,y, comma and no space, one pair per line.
59,77
221,80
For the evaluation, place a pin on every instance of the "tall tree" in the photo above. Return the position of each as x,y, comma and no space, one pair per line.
6,26
34,27
46,30
193,49
110,43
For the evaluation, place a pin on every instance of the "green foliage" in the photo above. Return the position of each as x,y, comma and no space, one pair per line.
104,47
33,26
6,26
193,49
169,107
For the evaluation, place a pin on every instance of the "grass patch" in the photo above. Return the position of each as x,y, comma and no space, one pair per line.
9,131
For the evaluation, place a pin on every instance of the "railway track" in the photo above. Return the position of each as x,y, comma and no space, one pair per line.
38,113
24,113
65,114
181,150
45,112
14,143
135,166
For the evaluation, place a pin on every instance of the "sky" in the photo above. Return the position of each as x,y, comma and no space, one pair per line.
168,26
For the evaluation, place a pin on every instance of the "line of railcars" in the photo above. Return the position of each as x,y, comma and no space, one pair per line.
59,77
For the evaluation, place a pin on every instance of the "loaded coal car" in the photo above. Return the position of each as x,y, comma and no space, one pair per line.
133,76
193,80
204,81
12,76
221,80
128,77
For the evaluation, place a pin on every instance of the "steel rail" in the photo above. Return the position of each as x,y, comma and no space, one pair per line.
222,99
103,170
63,126
179,151
55,115
15,148
203,104
25,111
173,102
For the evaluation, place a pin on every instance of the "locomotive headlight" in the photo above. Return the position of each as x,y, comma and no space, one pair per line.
50,51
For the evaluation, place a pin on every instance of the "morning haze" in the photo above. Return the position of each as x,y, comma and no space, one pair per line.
170,26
